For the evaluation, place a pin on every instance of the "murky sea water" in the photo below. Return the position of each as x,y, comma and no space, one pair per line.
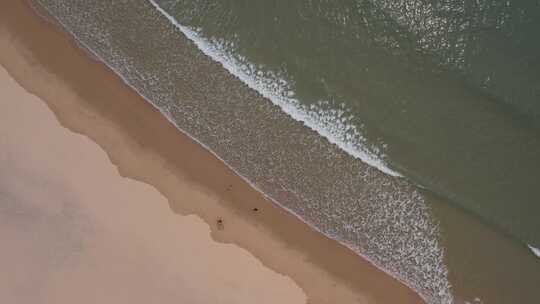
406,130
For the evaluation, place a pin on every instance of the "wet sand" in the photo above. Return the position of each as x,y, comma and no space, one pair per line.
108,220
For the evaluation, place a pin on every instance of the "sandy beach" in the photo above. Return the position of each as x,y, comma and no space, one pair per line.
77,231
96,207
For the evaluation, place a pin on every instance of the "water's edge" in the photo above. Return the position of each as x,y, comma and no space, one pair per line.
408,202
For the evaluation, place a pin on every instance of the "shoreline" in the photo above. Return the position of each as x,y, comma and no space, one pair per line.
292,164
308,257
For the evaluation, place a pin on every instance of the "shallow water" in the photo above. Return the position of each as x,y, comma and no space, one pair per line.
403,92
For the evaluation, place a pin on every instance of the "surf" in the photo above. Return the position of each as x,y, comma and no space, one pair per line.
332,124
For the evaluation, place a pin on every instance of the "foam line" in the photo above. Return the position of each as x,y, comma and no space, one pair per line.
332,124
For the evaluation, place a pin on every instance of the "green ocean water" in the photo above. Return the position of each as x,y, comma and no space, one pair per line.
447,93
449,90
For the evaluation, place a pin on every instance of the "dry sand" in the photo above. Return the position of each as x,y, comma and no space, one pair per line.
76,230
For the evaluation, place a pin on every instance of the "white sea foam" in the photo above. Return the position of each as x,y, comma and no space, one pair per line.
534,250
333,124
